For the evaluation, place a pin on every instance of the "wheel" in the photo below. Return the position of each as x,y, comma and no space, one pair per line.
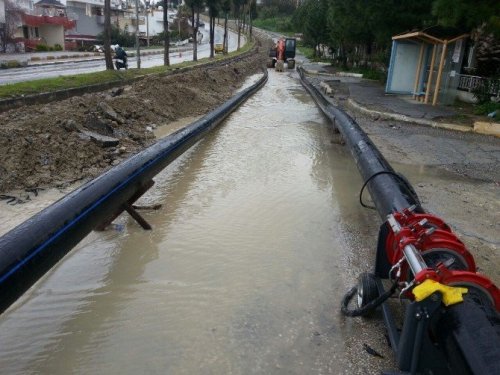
367,289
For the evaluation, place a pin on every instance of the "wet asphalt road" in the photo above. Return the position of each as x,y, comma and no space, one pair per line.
40,71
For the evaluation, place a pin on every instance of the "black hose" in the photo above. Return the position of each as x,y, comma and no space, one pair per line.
402,178
370,306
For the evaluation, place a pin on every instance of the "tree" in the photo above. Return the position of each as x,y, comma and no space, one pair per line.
12,20
226,8
166,35
213,12
107,35
358,28
195,6
239,9
468,14
166,32
118,36
482,18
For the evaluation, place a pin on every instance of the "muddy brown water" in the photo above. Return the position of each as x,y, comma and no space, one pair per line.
250,255
237,276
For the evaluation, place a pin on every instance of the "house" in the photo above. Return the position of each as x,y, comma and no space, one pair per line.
39,23
2,14
153,24
89,16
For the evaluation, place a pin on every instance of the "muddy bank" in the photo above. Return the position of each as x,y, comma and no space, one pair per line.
56,144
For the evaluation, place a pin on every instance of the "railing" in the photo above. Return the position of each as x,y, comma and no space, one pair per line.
36,21
50,12
471,83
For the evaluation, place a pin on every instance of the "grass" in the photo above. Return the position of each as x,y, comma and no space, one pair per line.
309,53
277,25
370,73
88,79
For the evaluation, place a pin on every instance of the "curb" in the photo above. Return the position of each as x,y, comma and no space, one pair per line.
51,60
398,117
478,128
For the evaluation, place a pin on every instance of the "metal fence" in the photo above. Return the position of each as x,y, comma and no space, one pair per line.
471,83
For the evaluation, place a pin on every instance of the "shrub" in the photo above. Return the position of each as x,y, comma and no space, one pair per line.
485,108
58,47
123,38
41,48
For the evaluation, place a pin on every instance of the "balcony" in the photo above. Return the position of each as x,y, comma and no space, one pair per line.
36,21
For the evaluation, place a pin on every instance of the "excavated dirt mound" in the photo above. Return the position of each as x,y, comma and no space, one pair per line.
55,144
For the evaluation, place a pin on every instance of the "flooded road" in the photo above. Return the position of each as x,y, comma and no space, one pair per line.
242,273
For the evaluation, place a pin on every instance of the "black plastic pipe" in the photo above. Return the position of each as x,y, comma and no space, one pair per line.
28,251
469,332
389,190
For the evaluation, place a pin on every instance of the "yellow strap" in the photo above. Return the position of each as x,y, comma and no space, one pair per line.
451,294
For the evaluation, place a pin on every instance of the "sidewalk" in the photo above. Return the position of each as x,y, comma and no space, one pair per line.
11,60
369,98
16,60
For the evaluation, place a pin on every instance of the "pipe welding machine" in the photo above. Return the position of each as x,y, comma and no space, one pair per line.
437,281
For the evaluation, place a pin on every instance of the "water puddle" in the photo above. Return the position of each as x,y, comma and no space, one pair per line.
242,273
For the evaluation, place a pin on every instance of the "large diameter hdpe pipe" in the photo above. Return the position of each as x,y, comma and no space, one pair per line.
28,251
468,332
389,193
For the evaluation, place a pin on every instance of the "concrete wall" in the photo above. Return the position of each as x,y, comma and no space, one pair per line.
155,19
465,96
85,24
2,11
52,34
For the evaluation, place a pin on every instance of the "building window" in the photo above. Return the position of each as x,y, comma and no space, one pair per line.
97,11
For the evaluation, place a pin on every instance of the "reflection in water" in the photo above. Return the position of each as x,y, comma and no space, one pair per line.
241,273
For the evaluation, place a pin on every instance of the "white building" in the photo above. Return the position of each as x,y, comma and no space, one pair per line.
41,22
89,17
2,13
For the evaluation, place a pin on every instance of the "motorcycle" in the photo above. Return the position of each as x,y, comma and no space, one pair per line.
120,63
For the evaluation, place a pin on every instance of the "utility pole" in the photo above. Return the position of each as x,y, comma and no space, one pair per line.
147,24
137,34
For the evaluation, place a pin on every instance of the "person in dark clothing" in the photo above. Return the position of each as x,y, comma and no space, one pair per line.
122,55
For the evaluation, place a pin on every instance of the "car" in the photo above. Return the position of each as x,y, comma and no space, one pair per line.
219,48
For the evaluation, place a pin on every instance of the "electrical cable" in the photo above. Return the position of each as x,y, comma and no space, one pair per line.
399,176
370,306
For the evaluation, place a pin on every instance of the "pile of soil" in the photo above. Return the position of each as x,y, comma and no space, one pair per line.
56,144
